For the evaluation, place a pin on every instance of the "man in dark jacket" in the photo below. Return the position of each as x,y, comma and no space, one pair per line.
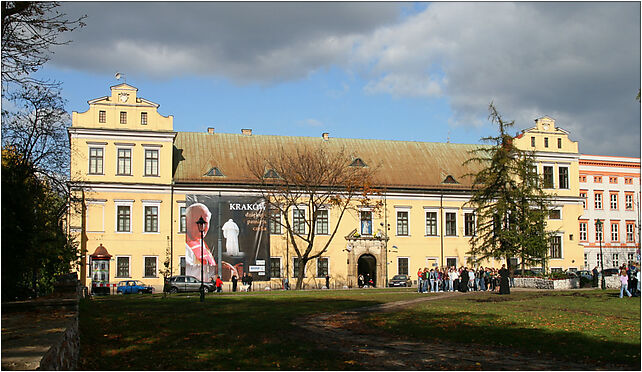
463,282
504,286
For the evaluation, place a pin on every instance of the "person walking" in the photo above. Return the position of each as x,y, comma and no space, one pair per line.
504,286
595,276
465,278
471,279
327,281
419,280
249,282
235,282
219,284
624,280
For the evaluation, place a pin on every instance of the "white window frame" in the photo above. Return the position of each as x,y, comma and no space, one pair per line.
568,176
469,211
315,222
372,232
601,200
145,259
616,231
627,206
129,147
152,203
397,210
179,264
280,266
556,208
152,147
182,205
305,220
431,210
554,185
617,201
561,257
632,233
585,231
317,267
91,146
279,223
129,267
124,203
456,212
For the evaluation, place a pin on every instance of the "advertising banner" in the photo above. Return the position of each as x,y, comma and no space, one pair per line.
240,223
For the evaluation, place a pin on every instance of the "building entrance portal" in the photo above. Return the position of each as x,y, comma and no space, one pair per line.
367,266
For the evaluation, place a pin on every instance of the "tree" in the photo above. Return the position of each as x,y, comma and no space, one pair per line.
29,30
510,206
306,180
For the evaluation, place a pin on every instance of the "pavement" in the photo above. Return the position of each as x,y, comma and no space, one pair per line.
29,329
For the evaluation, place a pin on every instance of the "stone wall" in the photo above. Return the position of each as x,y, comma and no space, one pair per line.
63,354
539,283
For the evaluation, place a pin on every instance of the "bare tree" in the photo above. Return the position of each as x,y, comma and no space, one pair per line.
308,179
29,30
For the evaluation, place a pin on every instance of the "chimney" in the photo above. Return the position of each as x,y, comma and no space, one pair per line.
246,132
210,130
325,136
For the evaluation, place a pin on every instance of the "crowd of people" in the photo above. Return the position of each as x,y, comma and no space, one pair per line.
630,280
463,279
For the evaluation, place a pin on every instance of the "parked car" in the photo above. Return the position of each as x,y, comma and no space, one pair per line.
186,283
400,280
611,271
133,286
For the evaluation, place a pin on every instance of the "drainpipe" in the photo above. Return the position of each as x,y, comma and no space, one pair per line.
441,227
171,230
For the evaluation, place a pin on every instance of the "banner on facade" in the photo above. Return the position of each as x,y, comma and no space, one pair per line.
241,224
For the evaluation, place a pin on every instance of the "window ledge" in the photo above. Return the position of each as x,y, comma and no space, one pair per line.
124,175
151,175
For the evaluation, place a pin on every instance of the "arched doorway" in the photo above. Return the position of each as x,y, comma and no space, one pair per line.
367,266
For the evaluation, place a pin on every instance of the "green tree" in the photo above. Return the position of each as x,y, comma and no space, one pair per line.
510,207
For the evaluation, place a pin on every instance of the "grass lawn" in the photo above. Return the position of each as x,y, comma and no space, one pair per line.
587,326
253,331
248,332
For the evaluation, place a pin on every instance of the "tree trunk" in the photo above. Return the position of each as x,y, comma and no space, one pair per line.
299,273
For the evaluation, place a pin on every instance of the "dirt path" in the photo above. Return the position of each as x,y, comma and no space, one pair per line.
340,332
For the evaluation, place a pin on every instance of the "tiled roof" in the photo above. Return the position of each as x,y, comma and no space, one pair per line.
402,164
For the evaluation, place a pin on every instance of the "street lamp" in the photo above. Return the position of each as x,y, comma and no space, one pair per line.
201,228
598,227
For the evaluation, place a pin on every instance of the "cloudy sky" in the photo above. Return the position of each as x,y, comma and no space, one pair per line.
403,71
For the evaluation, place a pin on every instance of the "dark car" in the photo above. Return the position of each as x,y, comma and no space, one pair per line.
586,274
133,286
611,271
400,280
186,283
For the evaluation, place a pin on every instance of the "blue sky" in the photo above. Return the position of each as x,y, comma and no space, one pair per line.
402,71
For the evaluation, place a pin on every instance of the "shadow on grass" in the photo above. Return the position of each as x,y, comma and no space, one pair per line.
223,333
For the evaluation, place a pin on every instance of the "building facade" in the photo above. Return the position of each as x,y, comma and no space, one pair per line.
610,189
133,176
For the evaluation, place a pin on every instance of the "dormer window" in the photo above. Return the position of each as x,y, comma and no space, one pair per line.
271,173
358,163
123,117
449,179
102,116
214,172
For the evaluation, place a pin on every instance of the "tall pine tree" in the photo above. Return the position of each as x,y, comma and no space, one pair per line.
510,207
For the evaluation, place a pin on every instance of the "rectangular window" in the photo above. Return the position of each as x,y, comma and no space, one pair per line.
469,224
598,232
585,260
599,259
583,231
615,235
402,223
95,160
143,118
122,267
628,202
298,221
402,265
532,141
628,181
597,179
151,162
545,141
182,224
556,247
598,200
151,219
124,216
555,214
183,266
630,232
629,258
322,227
102,116
614,201
295,267
559,143
150,267
451,262
548,177
431,223
322,267
583,196
563,177
582,178
612,179
123,117
275,267
616,260
451,224
275,221
124,162
366,223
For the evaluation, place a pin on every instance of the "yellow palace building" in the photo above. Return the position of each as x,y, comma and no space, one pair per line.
133,177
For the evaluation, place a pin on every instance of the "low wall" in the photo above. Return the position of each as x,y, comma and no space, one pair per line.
64,353
539,283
